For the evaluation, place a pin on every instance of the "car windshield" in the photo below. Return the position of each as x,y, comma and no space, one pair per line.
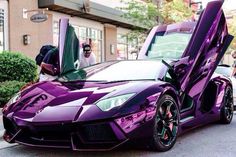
117,71
169,46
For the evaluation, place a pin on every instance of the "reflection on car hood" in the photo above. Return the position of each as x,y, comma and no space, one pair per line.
54,101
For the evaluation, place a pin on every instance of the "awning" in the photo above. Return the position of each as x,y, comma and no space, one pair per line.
95,11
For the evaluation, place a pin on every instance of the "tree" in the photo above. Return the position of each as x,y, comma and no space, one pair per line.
148,14
141,14
232,31
175,11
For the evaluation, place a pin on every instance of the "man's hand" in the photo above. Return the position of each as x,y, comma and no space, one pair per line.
49,69
76,64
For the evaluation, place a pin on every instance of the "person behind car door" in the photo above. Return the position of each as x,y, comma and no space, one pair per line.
50,66
87,57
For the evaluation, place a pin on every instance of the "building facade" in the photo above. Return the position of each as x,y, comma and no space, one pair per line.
4,28
98,20
92,21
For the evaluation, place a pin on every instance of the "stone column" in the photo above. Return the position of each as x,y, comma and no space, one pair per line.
110,39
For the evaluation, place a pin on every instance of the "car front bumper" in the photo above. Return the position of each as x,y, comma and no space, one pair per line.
92,136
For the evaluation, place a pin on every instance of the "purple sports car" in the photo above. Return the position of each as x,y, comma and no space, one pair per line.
170,89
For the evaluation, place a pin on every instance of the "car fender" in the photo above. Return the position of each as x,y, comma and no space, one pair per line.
148,98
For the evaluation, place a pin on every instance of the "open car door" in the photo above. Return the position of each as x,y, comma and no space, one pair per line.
206,48
68,47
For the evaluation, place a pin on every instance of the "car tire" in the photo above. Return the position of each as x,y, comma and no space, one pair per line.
227,109
166,124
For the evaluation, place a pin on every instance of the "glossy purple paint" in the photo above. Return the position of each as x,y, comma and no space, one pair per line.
65,114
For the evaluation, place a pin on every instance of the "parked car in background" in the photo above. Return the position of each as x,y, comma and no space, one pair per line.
227,70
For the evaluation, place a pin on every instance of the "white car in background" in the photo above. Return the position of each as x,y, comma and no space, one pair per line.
227,70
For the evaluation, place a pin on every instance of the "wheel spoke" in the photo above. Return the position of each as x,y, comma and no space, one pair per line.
158,119
168,107
163,133
161,114
169,132
173,117
174,130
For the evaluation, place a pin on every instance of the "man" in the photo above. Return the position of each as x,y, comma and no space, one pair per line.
42,53
87,57
50,66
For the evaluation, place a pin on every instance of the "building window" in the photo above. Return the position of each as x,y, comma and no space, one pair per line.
2,36
96,37
55,33
133,49
122,47
84,34
126,49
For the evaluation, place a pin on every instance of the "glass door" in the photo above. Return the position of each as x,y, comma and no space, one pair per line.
3,25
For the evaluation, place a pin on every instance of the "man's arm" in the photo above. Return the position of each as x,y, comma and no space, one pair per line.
49,69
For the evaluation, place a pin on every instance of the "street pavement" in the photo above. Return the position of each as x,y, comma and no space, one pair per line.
214,140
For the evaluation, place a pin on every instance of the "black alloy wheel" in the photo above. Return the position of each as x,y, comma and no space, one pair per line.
166,124
227,110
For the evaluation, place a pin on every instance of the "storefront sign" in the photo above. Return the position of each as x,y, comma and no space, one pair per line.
39,17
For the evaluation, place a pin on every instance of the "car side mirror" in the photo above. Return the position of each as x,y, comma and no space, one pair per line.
171,72
170,69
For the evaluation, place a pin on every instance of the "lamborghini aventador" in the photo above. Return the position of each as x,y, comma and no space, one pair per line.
170,89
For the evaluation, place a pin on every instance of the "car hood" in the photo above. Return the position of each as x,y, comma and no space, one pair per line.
72,101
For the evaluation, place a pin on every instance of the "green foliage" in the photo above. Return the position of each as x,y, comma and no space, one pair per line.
15,66
8,89
148,14
232,31
141,14
175,11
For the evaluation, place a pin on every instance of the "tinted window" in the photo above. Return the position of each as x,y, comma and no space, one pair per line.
169,45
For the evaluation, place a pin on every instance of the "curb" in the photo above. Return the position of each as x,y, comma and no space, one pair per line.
4,144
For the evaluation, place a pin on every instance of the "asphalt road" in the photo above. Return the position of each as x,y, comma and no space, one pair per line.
214,140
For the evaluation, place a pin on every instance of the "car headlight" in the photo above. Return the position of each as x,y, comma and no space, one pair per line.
14,99
108,104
